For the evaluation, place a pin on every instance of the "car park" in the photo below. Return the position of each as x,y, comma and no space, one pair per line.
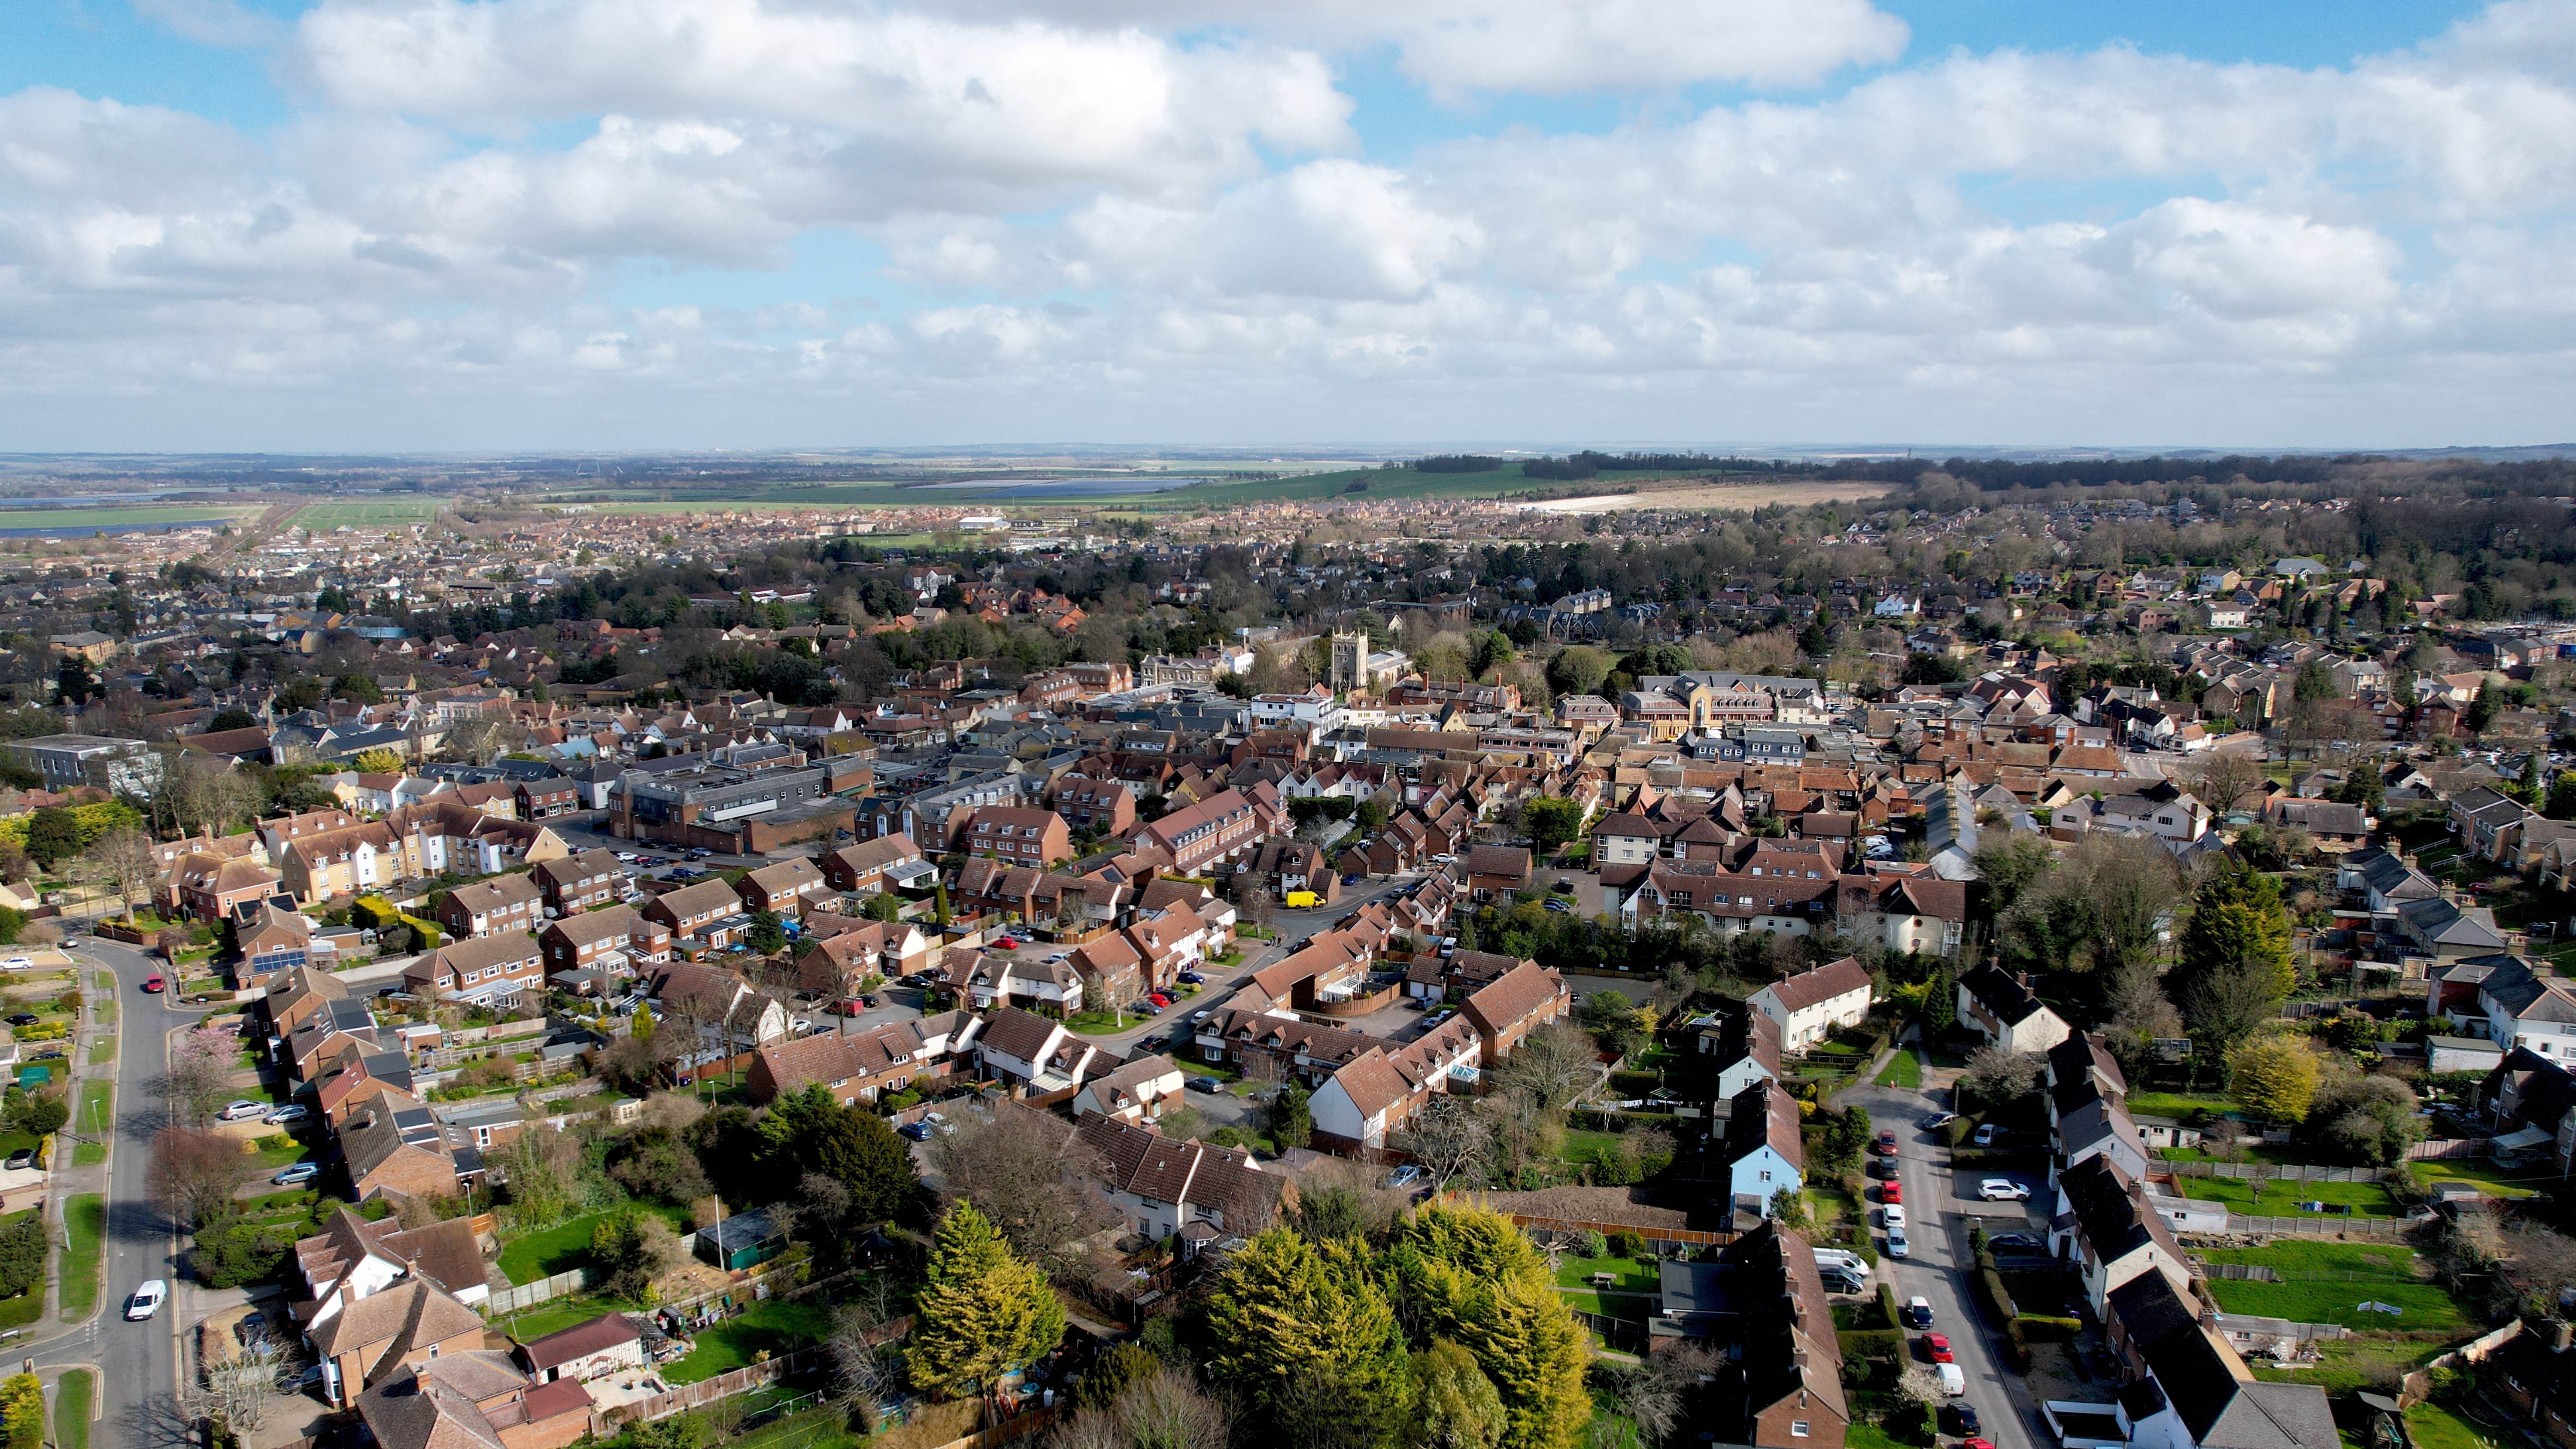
2002,1189
1937,1347
147,1300
298,1173
1917,1313
243,1108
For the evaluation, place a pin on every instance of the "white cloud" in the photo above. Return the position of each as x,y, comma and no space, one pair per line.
1103,223
225,23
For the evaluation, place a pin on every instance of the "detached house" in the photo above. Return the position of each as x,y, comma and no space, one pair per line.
1813,1004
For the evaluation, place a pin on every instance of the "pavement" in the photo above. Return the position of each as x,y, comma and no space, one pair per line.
137,1363
1940,1263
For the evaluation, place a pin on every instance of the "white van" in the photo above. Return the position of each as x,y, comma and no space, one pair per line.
1953,1382
1835,1260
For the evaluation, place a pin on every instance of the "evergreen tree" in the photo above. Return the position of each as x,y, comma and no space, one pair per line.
1454,1404
1296,1324
53,836
981,1313
1940,1003
22,1410
2238,919
1472,1276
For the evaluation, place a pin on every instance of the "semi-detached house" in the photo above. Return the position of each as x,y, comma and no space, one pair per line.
1813,1004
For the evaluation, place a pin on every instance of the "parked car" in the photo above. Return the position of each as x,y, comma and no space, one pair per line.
1560,907
1988,1135
22,1018
1917,1313
291,1112
1192,978
2002,1189
2016,1243
16,963
628,856
1954,1381
152,983
1350,880
1937,1345
1158,998
1893,1215
22,1159
1882,1167
1886,1144
1963,1419
917,1131
1937,1121
1891,1191
1202,1014
1897,1247
299,1172
1205,1084
1005,943
236,1111
1405,1176
147,1300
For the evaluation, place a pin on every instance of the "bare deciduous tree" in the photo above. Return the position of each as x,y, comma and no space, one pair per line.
1030,1174
236,1391
1996,1075
193,1172
2223,778
1556,1064
1166,1410
1449,1139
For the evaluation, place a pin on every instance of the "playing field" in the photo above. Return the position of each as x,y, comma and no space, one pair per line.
76,522
368,513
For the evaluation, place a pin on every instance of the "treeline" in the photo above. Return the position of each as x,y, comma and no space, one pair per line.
1456,463
1995,475
1589,463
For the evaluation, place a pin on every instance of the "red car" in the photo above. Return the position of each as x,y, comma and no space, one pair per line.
1891,1191
1887,1142
1159,999
152,982
1938,1345
1005,943
1978,1444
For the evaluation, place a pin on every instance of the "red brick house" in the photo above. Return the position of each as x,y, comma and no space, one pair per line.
786,888
1017,837
493,907
581,882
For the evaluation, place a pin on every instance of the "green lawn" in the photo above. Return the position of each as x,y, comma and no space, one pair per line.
532,1256
276,1151
1905,1069
824,1428
97,1114
2488,1177
2433,1427
89,1154
2281,1198
2325,1282
1636,1275
2176,1104
102,1049
779,1327
556,1314
85,1221
71,1409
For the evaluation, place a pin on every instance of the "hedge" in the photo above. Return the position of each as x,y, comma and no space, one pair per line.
1887,1304
1960,1128
2049,1328
1875,1343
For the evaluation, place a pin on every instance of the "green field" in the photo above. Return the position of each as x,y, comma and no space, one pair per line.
71,1409
78,522
85,1225
2326,1282
379,513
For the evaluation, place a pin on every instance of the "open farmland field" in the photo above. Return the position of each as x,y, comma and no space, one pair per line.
1727,497
372,512
75,522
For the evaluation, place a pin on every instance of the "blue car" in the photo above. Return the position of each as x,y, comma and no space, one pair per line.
917,1131
1191,978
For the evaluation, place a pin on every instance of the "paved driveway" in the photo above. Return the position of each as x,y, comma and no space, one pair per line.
1938,1270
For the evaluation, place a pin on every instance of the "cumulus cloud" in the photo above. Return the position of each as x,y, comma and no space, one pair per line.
1103,216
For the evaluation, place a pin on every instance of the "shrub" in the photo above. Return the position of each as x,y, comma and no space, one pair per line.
2048,1327
1626,1243
1883,1344
1887,1304
1588,1243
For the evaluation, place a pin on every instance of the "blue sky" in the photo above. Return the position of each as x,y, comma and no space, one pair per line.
652,223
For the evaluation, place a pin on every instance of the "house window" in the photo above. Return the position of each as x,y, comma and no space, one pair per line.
1797,1428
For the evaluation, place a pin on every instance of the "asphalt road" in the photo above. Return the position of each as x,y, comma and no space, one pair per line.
1938,1270
138,1362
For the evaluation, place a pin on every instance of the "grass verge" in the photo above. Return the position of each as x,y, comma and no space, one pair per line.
85,1224
1905,1069
71,1409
